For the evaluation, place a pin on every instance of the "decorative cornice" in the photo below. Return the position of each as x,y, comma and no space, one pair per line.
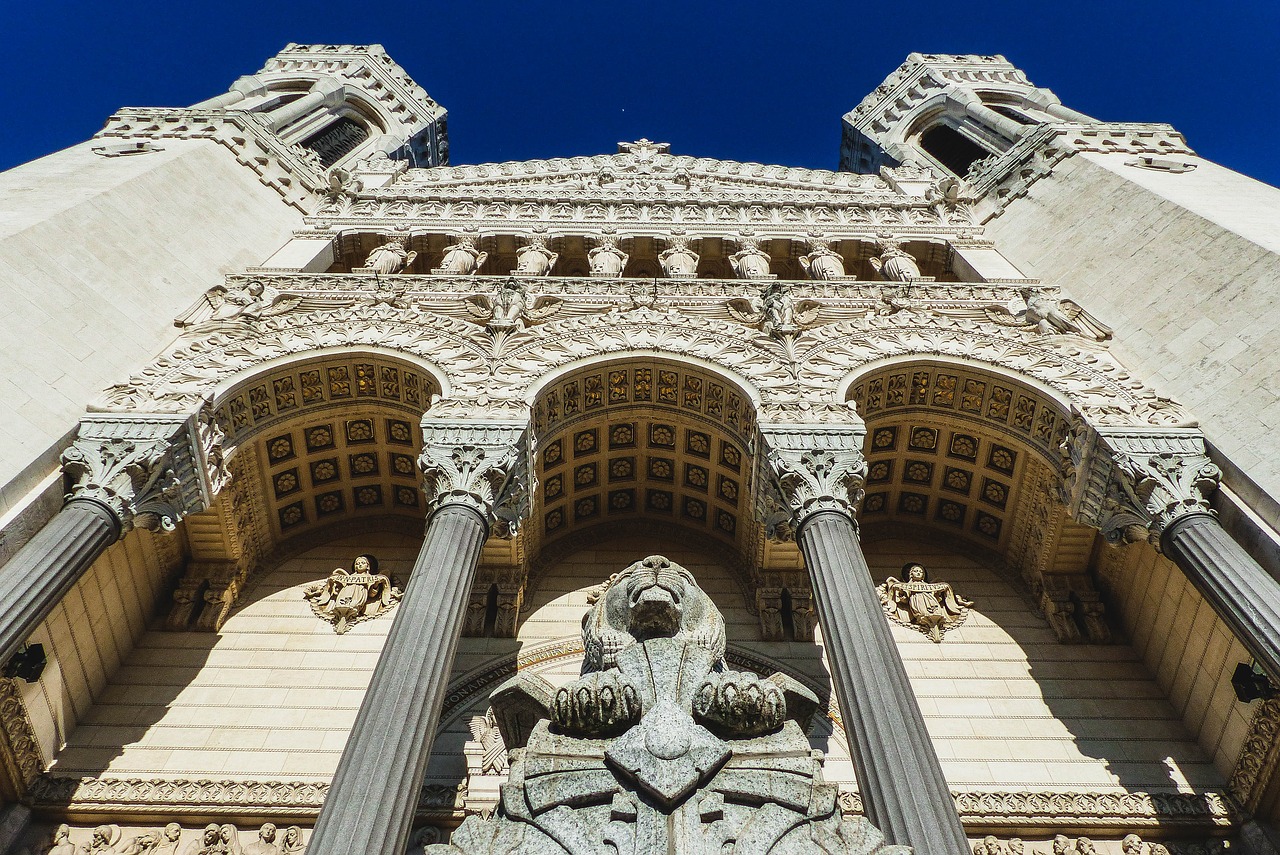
476,464
21,750
149,470
291,170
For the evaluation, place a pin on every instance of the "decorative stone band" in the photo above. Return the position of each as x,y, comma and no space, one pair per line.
94,797
482,465
809,468
1133,484
1259,757
150,471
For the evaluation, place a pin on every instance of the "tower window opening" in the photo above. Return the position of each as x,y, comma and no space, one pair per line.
336,140
950,148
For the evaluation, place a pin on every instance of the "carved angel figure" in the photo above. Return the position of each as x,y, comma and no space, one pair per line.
462,258
250,301
535,259
679,260
391,257
931,607
342,183
750,262
775,312
822,262
607,260
509,307
1051,316
347,598
894,264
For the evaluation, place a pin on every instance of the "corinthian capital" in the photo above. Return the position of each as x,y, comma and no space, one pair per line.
149,471
480,465
809,469
1133,485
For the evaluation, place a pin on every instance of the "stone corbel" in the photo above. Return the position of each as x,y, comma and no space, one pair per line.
808,469
481,464
150,471
1074,609
1132,484
510,582
773,612
205,596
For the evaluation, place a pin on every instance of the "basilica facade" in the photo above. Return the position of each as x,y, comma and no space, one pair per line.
637,502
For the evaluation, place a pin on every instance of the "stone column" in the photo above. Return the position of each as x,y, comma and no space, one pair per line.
1157,487
125,472
245,87
375,791
820,473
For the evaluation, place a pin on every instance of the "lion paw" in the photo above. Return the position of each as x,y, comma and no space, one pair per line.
740,704
598,704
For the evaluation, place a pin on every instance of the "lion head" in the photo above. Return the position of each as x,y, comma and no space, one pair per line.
653,598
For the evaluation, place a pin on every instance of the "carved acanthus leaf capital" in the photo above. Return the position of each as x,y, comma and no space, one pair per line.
480,465
149,471
810,469
1133,485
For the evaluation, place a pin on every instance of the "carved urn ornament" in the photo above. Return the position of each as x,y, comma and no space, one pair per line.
659,747
930,607
347,598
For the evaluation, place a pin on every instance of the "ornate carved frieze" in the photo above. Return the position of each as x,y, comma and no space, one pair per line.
150,471
479,464
1133,484
1259,757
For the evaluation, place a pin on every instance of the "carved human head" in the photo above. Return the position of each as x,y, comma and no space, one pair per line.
292,835
211,833
102,835
62,833
228,833
268,832
172,831
915,572
365,563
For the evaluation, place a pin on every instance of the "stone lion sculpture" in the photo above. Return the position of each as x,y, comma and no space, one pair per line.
658,746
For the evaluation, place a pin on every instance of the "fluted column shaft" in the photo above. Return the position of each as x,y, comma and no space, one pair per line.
371,802
1240,591
34,580
903,790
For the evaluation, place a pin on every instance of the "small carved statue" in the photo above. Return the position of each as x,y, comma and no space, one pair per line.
347,598
1055,317
249,301
266,842
509,309
62,844
292,843
894,264
103,841
678,260
462,258
931,607
750,262
391,257
492,756
822,262
534,258
607,260
775,312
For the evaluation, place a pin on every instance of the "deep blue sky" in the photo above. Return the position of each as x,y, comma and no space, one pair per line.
742,81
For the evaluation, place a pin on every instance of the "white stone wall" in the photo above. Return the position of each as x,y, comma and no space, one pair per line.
1185,645
1184,267
91,632
273,695
97,257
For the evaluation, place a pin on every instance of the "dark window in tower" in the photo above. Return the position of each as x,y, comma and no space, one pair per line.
337,140
951,149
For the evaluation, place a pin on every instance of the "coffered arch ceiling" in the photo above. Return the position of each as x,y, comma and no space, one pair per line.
644,442
954,447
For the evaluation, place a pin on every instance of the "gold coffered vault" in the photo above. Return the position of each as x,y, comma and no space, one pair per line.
640,502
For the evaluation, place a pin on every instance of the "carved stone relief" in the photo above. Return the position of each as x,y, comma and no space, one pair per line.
348,598
915,602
